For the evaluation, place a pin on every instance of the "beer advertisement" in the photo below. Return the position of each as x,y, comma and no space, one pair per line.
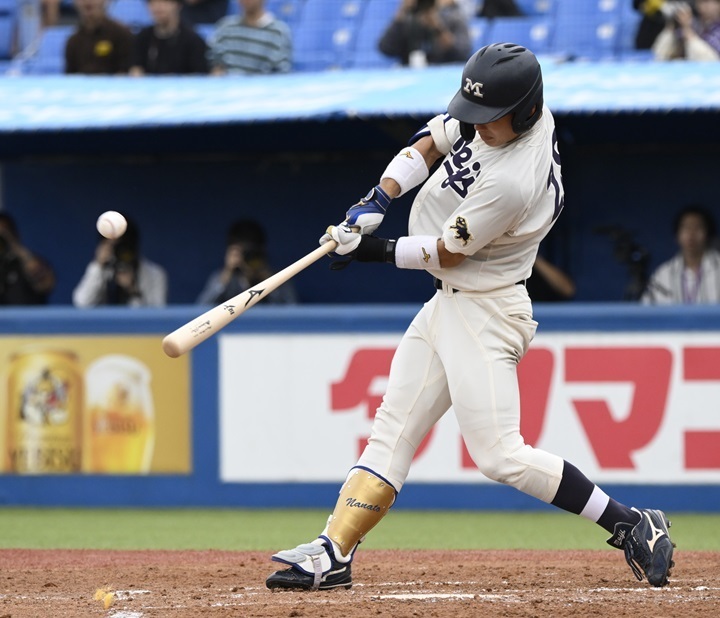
93,405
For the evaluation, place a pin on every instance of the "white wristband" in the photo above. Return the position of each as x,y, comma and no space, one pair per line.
418,252
408,169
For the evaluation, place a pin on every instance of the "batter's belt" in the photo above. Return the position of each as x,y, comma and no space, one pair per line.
439,284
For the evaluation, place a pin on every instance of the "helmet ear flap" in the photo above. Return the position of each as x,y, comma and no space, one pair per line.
524,117
467,131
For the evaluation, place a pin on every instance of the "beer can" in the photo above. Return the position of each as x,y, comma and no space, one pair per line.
120,435
44,420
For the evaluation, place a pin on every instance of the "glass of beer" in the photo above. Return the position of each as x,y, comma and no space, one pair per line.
120,425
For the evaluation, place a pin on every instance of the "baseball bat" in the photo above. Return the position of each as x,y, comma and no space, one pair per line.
199,329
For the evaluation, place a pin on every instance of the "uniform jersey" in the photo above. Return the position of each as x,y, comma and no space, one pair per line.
492,204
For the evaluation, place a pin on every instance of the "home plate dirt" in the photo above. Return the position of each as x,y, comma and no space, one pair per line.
401,584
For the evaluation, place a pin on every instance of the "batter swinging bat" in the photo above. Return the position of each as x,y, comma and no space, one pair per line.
201,328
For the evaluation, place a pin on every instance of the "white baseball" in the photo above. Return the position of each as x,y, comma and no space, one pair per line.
111,224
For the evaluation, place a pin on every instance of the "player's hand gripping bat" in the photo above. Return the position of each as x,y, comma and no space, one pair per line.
201,328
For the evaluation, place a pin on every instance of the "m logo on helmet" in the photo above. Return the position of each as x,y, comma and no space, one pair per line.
474,88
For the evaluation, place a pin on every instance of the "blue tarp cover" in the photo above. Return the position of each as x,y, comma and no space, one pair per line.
53,103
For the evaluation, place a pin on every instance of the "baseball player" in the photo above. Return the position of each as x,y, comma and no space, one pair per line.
475,226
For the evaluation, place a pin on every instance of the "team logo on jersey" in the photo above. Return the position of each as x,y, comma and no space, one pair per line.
406,153
473,88
426,255
461,170
461,230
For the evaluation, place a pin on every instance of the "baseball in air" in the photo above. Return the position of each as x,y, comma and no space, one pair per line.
111,224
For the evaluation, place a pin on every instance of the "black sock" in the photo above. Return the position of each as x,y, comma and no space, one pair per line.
574,491
615,513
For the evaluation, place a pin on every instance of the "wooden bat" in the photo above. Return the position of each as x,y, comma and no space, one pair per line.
205,326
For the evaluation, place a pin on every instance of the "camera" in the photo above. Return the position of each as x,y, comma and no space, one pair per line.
125,255
629,253
669,10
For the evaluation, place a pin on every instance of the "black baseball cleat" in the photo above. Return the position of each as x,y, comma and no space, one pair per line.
647,545
294,579
312,567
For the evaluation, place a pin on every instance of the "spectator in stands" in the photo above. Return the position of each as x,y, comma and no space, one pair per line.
25,277
499,8
204,11
246,264
57,12
693,275
688,38
251,43
169,46
100,45
427,32
50,12
121,275
548,283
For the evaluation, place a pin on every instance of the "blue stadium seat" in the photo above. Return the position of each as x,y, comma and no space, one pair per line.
50,56
133,13
587,29
324,37
537,7
205,30
478,27
288,11
8,23
374,20
535,33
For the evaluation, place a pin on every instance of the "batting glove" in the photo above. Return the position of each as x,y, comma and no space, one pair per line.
365,216
347,239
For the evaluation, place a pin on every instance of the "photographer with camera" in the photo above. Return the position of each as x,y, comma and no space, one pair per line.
25,278
687,37
427,32
120,275
246,264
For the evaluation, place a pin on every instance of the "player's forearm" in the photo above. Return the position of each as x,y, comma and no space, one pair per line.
427,148
557,279
448,259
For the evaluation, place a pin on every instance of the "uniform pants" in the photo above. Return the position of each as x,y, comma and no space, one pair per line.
462,349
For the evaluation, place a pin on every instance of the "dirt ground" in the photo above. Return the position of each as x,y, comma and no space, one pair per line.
401,584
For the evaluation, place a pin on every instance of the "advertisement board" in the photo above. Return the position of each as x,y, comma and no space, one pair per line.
630,408
94,405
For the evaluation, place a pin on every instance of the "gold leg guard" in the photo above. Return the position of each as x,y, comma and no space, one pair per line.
364,500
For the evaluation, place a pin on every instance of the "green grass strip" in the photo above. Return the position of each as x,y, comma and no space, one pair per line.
272,530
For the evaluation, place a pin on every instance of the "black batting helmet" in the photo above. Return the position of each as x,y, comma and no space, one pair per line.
500,79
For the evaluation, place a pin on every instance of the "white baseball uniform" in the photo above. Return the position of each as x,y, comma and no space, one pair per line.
495,205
